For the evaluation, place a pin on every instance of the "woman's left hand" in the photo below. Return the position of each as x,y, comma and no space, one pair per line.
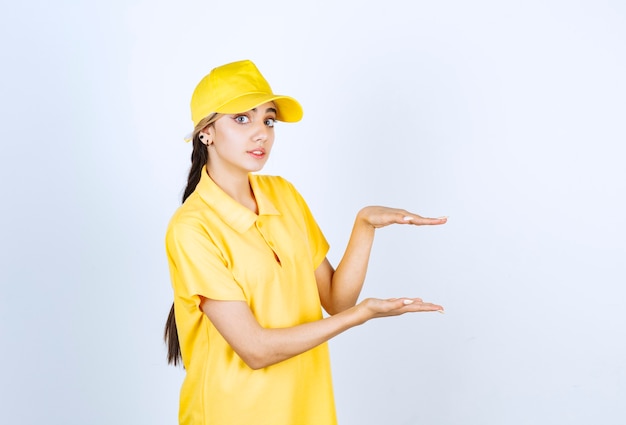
377,216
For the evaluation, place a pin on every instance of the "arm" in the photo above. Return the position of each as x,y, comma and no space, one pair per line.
260,347
339,289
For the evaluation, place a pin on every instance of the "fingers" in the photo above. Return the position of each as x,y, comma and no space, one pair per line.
417,305
423,221
378,216
397,306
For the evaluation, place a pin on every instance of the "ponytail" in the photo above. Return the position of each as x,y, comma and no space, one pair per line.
171,339
199,158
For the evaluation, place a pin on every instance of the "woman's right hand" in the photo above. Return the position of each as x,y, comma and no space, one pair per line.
374,307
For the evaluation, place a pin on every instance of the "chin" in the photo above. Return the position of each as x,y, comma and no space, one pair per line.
256,167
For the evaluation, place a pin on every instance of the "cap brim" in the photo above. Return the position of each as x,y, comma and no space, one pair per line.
287,108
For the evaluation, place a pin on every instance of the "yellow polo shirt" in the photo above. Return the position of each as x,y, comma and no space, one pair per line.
219,249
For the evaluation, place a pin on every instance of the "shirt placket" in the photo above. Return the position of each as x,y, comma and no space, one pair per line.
262,228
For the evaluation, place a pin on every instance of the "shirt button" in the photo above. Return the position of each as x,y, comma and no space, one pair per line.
259,224
271,244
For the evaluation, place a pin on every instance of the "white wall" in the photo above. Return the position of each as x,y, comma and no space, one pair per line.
506,116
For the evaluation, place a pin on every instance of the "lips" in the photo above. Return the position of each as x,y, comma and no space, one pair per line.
257,153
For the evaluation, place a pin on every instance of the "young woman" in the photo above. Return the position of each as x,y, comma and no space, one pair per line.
249,269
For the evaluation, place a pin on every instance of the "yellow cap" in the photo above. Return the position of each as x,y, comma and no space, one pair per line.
238,87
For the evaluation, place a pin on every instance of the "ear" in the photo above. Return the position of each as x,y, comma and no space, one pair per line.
207,135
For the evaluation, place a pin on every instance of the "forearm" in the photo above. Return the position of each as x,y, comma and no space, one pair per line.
347,280
270,346
260,347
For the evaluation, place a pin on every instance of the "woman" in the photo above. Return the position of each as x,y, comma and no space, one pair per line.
249,269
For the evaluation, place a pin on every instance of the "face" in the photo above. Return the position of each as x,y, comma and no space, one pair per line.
241,143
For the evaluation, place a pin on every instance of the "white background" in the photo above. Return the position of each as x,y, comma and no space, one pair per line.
507,116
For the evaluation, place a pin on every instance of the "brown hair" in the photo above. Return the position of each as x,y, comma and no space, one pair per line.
199,158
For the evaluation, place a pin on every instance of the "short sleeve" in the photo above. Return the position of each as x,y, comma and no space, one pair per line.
318,244
196,265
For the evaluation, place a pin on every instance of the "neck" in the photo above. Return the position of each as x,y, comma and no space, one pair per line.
237,187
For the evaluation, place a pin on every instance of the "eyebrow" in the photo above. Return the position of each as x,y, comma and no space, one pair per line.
267,110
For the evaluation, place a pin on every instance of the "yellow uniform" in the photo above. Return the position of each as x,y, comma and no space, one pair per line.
221,250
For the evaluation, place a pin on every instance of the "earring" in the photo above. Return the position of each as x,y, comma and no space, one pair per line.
202,138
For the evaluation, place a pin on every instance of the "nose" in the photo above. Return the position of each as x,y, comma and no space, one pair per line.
261,133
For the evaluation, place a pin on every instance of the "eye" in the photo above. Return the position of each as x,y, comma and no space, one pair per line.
270,122
242,119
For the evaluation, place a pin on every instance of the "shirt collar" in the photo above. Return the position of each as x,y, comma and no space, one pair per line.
232,212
